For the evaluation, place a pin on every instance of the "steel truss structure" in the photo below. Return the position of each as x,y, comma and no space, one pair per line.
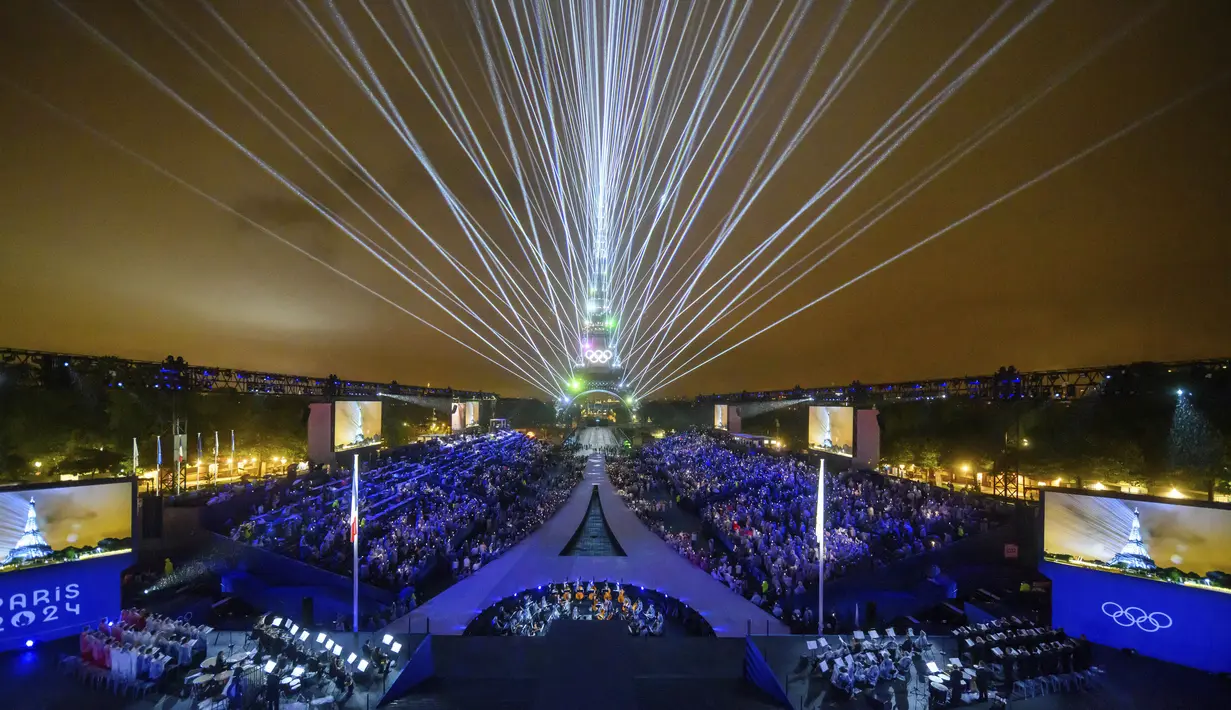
1006,384
33,368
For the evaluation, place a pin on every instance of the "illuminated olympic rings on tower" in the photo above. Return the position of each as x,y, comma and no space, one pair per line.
1136,616
598,357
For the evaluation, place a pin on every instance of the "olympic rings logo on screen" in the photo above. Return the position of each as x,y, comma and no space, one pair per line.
598,356
1136,616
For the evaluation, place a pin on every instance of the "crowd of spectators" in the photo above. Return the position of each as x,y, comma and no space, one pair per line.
761,509
460,504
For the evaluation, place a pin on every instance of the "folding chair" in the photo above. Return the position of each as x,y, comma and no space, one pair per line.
1025,687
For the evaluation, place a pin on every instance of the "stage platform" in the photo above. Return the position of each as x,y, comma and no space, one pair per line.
648,562
586,666
34,680
1130,682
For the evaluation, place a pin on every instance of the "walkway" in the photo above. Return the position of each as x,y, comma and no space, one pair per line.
649,563
596,439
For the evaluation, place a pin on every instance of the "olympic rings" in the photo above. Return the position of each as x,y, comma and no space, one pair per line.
598,356
1136,616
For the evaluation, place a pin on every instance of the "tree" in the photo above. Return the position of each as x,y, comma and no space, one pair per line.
929,455
898,452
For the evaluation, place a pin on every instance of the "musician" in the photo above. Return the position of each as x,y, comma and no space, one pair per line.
347,687
872,675
955,684
1066,656
887,669
1010,673
983,679
273,693
860,675
844,680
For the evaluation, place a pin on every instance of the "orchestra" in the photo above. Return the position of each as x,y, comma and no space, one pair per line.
532,615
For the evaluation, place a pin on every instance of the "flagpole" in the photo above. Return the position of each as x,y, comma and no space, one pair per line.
820,541
354,529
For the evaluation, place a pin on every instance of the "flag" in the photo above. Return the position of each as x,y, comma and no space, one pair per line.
136,456
160,452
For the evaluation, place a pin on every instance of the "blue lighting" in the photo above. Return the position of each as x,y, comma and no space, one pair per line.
29,643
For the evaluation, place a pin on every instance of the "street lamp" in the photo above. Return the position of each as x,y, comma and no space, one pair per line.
965,468
38,465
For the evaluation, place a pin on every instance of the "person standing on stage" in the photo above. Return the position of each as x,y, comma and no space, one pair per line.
272,693
983,679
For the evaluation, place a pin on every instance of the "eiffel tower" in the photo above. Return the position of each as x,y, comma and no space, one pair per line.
31,545
1134,555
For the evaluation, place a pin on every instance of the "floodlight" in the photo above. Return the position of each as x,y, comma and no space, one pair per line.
396,647
351,658
303,636
388,639
363,665
320,638
294,629
270,665
329,645
337,649
277,621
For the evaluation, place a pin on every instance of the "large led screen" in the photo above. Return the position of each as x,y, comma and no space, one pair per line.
832,429
472,414
720,416
355,424
48,526
1188,545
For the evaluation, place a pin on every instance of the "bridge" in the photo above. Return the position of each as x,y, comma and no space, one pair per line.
1005,384
35,368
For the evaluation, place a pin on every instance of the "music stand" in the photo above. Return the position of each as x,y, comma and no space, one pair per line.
917,687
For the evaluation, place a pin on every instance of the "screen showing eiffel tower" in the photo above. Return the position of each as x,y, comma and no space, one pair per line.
1168,542
45,526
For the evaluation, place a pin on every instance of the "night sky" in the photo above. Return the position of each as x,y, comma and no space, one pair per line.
1121,257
